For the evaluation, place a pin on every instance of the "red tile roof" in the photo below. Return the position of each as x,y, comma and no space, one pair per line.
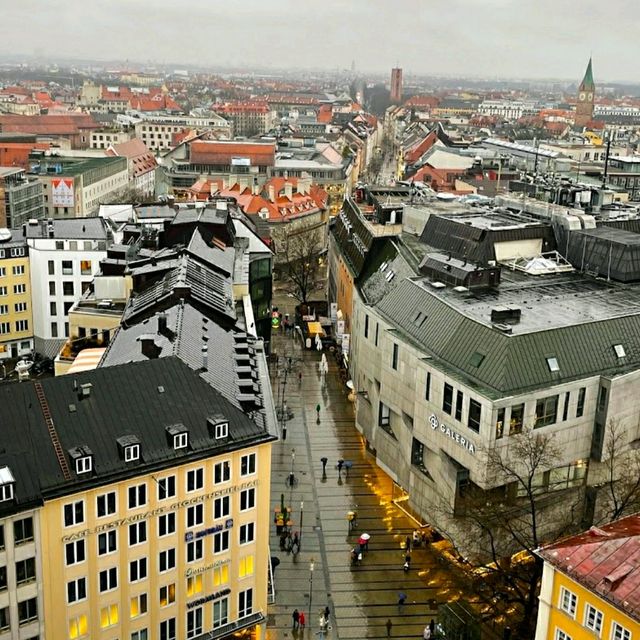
605,561
138,155
67,124
221,153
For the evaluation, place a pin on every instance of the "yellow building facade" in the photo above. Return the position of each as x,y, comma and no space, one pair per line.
16,319
172,554
590,585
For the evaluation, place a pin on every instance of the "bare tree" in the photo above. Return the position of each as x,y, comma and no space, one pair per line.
298,251
515,519
622,475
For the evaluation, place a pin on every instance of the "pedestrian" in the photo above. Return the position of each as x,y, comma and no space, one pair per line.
283,541
295,543
407,544
402,598
327,613
416,538
324,465
299,378
318,412
407,558
426,634
292,479
432,626
296,619
301,620
347,466
340,463
389,624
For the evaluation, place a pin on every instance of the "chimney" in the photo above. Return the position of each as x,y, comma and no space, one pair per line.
272,193
205,357
24,229
255,190
149,347
162,324
288,190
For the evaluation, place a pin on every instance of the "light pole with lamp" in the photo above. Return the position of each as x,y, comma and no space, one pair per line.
301,514
311,567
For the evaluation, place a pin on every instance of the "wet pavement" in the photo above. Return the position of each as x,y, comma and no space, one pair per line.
361,598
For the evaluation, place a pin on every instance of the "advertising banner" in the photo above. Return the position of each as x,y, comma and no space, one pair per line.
62,192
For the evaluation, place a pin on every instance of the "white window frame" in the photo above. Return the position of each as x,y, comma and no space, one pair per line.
250,494
222,604
131,452
169,520
195,618
222,430
197,475
6,492
561,635
195,549
84,464
223,504
247,526
246,610
251,460
168,557
76,584
110,536
165,485
107,512
572,602
137,527
222,536
141,598
597,618
180,440
224,465
136,503
75,544
198,515
618,632
139,562
74,522
109,574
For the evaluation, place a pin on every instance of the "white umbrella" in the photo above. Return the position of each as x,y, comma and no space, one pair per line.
324,365
365,536
318,342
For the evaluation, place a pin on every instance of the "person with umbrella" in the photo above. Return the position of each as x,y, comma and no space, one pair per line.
364,541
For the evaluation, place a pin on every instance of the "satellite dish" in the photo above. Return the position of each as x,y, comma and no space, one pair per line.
5,235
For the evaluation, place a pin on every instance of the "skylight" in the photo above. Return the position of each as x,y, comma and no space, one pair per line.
619,349
476,359
553,365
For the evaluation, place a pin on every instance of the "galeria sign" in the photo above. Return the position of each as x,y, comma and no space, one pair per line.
454,435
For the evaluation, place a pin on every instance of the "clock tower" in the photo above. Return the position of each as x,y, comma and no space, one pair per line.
586,97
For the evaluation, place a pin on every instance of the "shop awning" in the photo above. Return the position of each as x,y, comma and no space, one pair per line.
315,328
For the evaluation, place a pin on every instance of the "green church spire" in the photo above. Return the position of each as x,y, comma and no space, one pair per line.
587,82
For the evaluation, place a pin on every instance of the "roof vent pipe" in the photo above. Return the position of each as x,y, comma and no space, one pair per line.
205,357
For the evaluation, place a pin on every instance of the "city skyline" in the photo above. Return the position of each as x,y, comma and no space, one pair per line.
508,40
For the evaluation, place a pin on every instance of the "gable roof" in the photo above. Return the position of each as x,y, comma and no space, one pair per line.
605,560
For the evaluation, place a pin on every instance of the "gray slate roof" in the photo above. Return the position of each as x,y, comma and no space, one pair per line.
92,228
512,363
139,399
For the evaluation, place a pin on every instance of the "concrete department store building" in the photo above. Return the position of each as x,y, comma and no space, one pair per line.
447,370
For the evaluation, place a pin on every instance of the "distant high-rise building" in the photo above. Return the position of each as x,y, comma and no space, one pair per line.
586,97
396,84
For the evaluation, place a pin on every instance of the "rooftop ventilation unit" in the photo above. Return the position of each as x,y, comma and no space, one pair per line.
438,285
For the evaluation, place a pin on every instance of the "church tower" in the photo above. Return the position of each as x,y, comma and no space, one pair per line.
586,97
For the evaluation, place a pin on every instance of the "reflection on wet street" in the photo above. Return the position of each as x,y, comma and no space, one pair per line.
362,598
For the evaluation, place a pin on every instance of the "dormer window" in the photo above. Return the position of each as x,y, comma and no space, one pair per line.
222,430
82,458
84,464
129,448
178,436
7,484
132,452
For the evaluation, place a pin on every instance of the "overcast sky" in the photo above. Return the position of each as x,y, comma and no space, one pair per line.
484,38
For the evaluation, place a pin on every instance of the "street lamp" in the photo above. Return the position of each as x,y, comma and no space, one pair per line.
301,514
311,567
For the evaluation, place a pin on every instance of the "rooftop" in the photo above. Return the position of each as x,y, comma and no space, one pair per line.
140,399
91,228
605,560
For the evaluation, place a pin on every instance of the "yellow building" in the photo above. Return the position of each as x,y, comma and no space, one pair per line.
590,585
155,504
16,320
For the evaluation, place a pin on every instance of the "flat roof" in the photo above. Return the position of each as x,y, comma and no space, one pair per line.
494,220
547,301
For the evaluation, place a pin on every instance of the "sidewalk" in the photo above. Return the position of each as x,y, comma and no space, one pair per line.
361,598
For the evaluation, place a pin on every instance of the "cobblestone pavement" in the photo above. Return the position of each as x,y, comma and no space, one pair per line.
361,598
